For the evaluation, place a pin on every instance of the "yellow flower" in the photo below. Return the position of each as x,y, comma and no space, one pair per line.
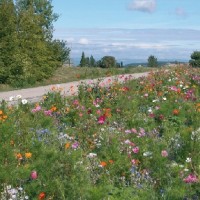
28,155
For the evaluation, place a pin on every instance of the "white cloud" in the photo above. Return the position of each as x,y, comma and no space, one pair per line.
151,46
83,41
180,12
143,5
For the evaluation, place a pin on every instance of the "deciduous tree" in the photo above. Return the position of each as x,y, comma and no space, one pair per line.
152,61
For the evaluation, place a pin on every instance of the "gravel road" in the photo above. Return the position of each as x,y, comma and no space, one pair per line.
68,89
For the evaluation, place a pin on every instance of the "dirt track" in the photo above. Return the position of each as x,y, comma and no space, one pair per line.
68,89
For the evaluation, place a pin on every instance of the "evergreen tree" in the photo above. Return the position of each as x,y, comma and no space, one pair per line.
92,61
83,60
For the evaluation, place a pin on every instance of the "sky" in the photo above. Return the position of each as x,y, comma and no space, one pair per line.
129,30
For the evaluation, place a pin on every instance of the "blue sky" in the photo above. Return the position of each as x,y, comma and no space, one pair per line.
130,30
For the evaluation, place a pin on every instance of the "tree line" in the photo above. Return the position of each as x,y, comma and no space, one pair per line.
28,52
104,62
110,61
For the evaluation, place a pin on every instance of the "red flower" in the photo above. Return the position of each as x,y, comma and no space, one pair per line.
41,196
101,119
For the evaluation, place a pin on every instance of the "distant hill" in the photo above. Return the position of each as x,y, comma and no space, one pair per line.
160,63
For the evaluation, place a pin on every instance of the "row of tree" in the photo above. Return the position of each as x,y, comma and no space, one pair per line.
28,52
105,62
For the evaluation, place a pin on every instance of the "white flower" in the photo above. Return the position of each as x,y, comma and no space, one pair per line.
11,98
24,101
174,164
186,170
148,153
92,155
18,96
164,98
155,100
188,160
150,110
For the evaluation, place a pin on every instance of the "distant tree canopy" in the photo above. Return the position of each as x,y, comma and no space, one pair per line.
87,61
195,59
27,51
108,62
105,62
152,61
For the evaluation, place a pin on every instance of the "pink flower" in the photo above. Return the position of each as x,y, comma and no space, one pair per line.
133,130
101,119
38,108
48,112
75,145
98,112
164,153
34,175
136,150
191,179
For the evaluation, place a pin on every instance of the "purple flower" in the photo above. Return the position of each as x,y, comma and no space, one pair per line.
48,112
75,145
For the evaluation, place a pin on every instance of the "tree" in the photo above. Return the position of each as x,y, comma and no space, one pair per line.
152,61
108,62
7,38
92,61
27,51
83,60
195,59
61,51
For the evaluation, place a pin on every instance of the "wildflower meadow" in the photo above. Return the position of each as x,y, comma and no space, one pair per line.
135,140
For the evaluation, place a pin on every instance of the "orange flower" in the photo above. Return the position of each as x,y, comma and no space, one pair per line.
19,156
89,89
5,117
53,108
28,155
67,145
107,112
1,112
176,111
198,107
103,164
111,161
41,196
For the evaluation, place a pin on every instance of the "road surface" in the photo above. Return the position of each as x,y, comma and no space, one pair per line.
68,89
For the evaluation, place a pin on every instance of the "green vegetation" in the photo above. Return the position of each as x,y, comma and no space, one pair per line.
195,59
152,61
69,74
27,51
138,140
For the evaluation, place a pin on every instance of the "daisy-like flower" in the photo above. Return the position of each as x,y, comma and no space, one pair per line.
188,160
24,101
18,96
11,98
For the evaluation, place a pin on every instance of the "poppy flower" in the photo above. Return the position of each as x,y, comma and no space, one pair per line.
41,196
